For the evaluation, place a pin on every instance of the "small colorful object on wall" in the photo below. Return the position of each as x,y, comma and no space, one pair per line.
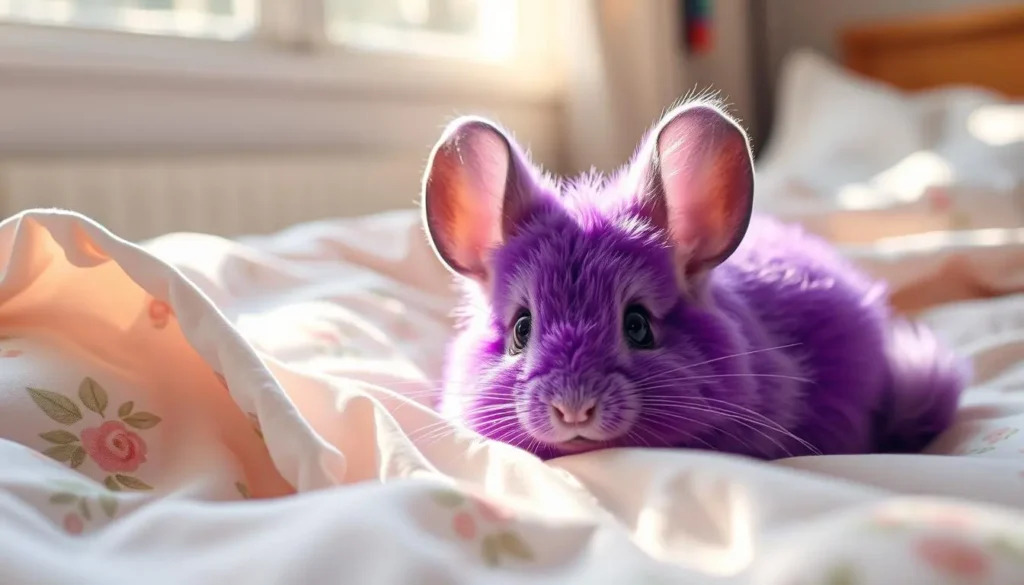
697,19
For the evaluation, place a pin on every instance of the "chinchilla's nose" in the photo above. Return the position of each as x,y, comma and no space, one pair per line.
574,412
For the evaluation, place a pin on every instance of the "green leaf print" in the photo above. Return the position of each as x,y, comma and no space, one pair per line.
111,483
77,457
490,550
83,507
93,396
62,453
448,498
59,437
125,409
243,490
132,483
109,505
514,546
1011,546
57,407
142,420
842,575
63,498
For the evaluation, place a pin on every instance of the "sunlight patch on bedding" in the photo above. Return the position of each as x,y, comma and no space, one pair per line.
904,182
719,538
997,125
932,241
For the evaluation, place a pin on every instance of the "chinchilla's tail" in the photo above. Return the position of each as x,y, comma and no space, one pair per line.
926,379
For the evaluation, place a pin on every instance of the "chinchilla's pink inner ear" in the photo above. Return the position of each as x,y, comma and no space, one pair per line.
471,195
702,180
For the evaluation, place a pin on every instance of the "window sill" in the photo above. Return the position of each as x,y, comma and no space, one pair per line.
89,57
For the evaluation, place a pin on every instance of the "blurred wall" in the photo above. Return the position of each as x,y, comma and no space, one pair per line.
752,37
726,67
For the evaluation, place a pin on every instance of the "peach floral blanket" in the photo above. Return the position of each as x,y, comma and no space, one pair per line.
201,411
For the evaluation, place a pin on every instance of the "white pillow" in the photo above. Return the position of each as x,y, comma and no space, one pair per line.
943,159
833,129
981,137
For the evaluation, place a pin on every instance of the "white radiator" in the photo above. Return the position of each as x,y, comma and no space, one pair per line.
228,195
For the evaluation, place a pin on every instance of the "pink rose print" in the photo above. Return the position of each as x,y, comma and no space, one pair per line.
464,526
497,545
993,437
328,337
493,512
113,447
953,557
160,313
939,198
73,524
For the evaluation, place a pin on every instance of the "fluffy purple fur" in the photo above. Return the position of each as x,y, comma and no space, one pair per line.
787,349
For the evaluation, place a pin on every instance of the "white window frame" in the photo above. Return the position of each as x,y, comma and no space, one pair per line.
289,56
290,49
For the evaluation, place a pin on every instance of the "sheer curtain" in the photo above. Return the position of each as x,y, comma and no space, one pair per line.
624,67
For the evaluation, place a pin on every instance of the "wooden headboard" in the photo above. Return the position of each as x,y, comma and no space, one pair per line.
981,48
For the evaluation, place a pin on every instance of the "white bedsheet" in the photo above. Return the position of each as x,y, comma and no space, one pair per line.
269,441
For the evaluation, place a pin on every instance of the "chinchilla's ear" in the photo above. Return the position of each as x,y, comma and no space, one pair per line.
474,195
699,184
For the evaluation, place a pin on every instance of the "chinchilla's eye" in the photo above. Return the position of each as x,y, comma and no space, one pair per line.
636,326
521,332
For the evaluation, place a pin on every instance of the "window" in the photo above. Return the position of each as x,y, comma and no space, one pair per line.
221,19
473,29
483,28
260,73
446,44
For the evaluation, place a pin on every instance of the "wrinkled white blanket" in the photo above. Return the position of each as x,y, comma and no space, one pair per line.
204,411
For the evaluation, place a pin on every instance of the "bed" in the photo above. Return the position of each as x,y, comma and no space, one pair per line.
198,410
919,128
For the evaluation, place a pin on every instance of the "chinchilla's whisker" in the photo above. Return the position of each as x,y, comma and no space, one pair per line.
445,423
513,436
703,400
675,416
500,422
721,430
447,430
670,384
532,445
506,406
503,410
505,401
742,421
434,436
686,401
507,434
752,375
721,358
520,440
637,439
743,408
761,419
744,353
496,391
443,426
429,432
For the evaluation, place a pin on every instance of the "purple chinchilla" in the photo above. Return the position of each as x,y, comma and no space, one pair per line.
650,309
